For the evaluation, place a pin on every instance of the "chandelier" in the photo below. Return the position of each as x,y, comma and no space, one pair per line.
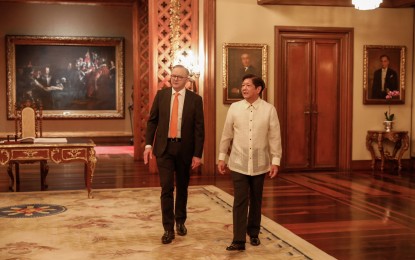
366,4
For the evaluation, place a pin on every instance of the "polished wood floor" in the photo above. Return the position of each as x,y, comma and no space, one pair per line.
353,215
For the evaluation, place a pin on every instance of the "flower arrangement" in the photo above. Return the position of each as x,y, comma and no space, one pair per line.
390,95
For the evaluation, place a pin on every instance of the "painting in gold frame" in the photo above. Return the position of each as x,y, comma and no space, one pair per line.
240,59
72,77
376,84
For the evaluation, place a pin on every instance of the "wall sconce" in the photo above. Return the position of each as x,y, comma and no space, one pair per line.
187,59
182,57
366,4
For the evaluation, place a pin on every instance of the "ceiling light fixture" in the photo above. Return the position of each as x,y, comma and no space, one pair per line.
366,4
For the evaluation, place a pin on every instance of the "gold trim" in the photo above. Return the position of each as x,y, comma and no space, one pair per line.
175,28
93,161
74,154
53,153
6,154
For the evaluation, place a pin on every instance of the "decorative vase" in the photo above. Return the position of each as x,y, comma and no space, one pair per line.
388,125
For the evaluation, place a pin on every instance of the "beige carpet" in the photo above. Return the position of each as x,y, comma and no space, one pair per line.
126,224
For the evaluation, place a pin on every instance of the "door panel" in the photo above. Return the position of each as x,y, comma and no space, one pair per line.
326,100
311,102
313,73
297,96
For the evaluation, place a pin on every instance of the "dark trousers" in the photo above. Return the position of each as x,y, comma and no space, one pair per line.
247,193
170,165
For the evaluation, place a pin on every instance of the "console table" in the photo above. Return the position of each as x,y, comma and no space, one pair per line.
75,150
400,140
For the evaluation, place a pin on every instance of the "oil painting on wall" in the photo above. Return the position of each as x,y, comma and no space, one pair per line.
71,77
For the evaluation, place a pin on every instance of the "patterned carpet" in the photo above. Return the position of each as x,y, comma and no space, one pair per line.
126,224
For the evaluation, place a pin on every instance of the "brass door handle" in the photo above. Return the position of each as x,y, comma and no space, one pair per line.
307,112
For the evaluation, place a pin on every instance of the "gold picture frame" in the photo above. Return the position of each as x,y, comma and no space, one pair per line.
374,88
235,57
72,77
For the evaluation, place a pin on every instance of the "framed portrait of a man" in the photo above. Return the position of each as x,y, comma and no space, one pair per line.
383,74
240,59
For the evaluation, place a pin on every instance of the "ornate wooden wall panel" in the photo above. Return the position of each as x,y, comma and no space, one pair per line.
188,39
143,68
209,92
163,43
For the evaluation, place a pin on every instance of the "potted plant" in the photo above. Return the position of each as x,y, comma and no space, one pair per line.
388,116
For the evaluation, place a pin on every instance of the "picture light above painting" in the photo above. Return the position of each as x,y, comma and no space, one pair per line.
383,71
72,77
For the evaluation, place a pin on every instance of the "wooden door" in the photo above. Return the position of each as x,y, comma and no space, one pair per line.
310,78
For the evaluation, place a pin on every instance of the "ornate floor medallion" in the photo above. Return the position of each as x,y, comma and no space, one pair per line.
31,210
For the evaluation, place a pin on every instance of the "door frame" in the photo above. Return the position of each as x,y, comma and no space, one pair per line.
345,83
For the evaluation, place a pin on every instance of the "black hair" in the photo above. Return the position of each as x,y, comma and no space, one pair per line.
384,55
257,81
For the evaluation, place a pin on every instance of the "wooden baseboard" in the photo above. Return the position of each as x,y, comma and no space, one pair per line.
360,165
112,140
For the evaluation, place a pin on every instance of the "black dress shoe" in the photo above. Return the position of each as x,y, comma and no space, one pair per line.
255,241
167,237
236,247
181,229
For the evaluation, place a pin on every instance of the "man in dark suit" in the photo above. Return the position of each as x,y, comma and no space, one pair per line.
384,79
176,125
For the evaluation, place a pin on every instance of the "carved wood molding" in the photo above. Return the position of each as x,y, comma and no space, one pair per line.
339,3
141,74
209,90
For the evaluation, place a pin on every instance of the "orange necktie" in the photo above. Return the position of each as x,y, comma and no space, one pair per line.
174,116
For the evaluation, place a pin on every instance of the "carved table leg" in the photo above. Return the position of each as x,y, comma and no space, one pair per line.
382,155
44,170
12,186
89,170
370,148
405,145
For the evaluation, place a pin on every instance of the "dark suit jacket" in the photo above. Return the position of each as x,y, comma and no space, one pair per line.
391,83
192,128
250,70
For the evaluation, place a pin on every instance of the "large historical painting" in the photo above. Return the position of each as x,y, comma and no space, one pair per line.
71,77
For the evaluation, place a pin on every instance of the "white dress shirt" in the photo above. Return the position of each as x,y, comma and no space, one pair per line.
255,134
180,113
181,97
384,71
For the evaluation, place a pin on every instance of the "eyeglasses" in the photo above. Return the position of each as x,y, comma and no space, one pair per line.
177,77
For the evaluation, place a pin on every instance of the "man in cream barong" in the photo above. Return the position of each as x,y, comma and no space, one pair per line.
253,128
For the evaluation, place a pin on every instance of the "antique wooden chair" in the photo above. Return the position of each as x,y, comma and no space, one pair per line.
28,123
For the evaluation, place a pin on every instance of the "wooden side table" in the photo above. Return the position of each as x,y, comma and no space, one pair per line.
401,144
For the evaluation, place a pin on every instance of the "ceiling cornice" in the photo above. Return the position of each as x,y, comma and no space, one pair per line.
76,2
338,3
